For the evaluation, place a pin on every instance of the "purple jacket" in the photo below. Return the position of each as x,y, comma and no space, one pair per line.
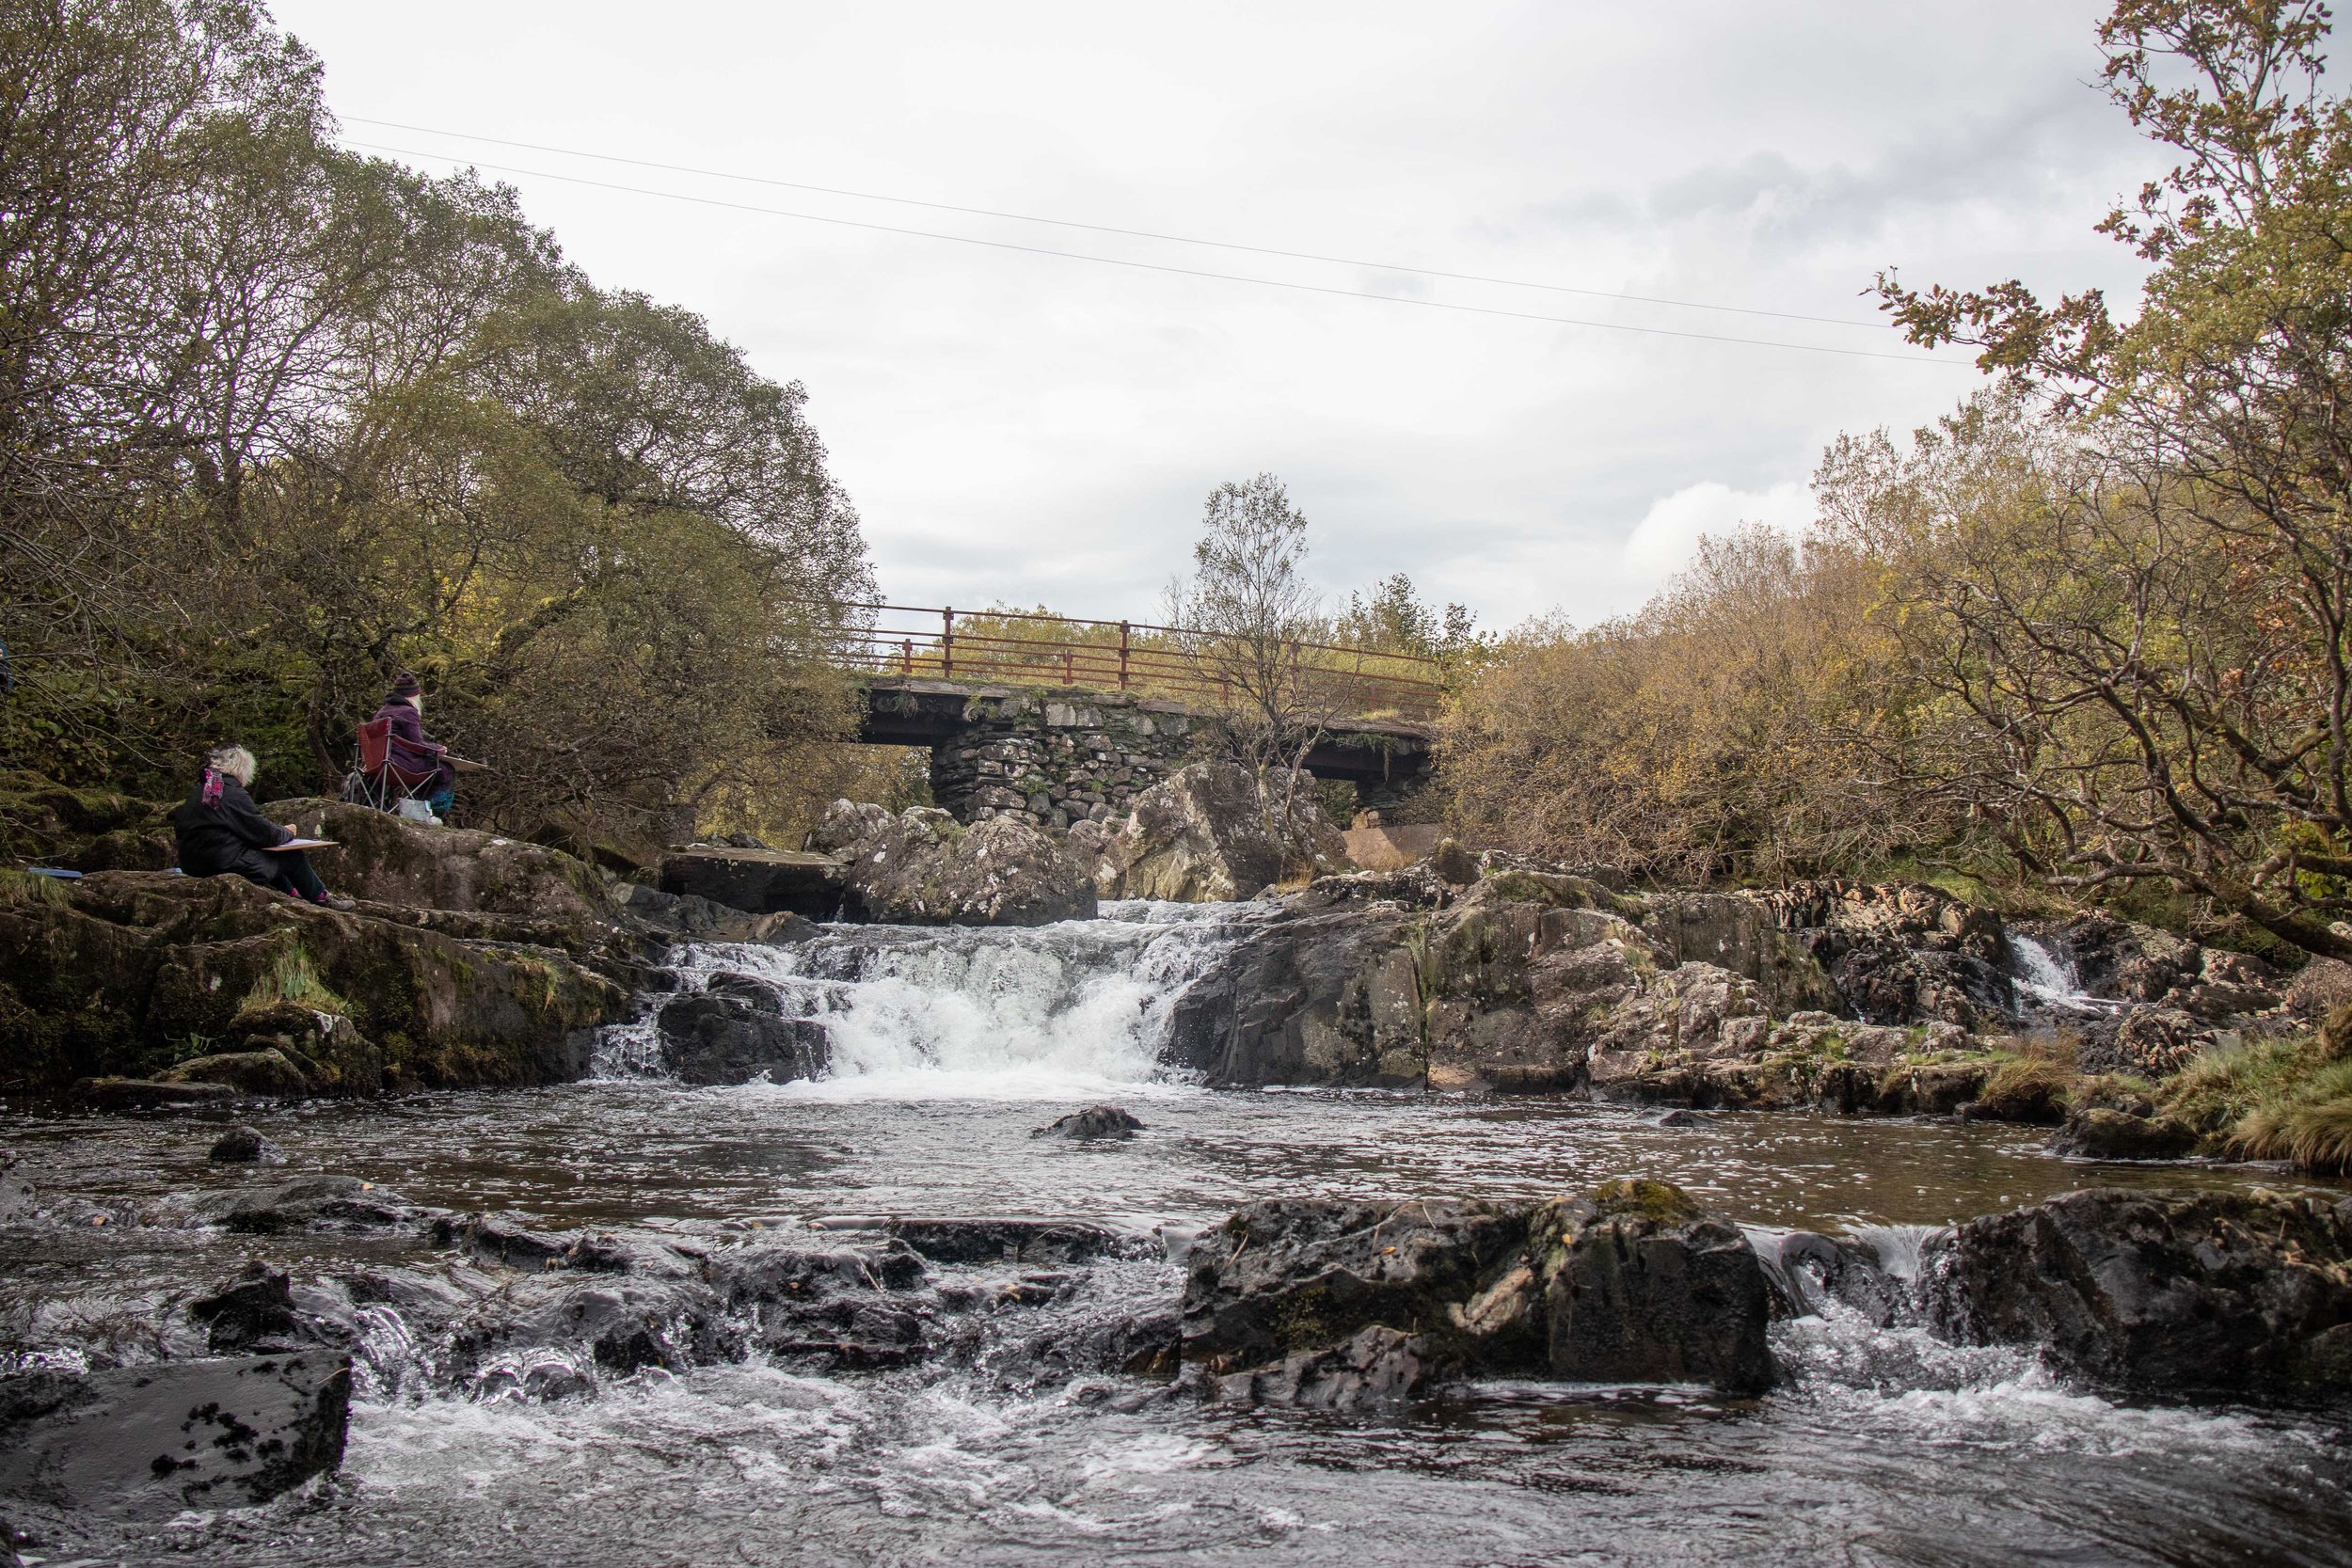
409,751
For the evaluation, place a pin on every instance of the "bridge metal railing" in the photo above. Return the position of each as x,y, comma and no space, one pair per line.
1027,647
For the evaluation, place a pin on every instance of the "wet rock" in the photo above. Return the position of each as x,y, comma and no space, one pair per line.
694,918
1013,1241
1289,1276
733,1037
1639,1286
1809,1270
1094,1122
316,1203
742,893
1677,1118
143,1094
1628,1283
859,1304
254,1073
2096,1133
158,1438
1328,997
922,867
255,1311
618,1323
1377,1368
2171,1292
1208,832
245,1146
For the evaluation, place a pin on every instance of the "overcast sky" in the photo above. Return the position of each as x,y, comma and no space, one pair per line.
1025,427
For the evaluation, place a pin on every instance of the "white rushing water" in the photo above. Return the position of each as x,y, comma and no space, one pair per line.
2049,979
1076,1008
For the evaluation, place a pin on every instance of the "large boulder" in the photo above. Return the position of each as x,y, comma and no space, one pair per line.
922,867
155,1440
2102,1133
736,1034
1210,831
1328,997
1289,1276
1527,982
386,859
2172,1293
1639,1286
110,975
1332,1303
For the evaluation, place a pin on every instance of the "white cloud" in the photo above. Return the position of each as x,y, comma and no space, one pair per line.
1021,427
1662,543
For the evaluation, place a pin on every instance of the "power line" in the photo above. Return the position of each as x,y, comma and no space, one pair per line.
1163,267
1107,229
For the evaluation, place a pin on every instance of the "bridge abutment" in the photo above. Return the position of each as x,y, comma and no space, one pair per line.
1060,756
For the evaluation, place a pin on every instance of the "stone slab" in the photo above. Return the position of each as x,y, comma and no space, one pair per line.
763,881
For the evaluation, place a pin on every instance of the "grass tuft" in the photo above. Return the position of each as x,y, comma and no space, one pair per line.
291,977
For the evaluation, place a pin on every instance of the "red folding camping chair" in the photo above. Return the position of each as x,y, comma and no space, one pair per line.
380,782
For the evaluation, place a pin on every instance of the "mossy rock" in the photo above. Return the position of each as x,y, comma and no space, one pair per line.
1660,1203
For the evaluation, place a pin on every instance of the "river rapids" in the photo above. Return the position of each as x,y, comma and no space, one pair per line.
1882,1445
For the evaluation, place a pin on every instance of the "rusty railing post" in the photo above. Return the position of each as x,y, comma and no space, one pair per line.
1122,656
906,656
948,644
1068,668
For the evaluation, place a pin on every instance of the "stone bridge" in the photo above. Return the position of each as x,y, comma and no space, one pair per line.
1060,753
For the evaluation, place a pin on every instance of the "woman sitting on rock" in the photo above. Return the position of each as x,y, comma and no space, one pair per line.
220,830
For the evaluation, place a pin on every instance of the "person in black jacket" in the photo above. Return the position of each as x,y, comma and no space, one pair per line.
220,831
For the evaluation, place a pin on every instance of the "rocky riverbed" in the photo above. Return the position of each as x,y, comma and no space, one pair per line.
629,1321
1477,1212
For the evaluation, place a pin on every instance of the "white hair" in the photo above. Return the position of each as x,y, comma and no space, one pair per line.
233,761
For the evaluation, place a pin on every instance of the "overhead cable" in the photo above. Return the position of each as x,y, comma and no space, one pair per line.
1109,228
1163,267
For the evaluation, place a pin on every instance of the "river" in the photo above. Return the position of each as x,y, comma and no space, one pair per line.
1882,1445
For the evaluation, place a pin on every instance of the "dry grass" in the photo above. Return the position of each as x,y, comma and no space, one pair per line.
2310,1126
2028,1088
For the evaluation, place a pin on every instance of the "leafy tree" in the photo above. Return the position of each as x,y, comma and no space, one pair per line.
1244,614
276,421
2164,666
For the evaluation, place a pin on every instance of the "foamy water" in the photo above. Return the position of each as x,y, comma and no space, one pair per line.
1076,1009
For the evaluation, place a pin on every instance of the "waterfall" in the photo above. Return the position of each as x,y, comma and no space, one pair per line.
1076,1008
2049,979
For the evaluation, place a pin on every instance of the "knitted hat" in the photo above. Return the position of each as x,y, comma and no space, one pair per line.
407,686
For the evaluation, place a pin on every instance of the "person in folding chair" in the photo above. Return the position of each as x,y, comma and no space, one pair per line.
221,831
411,753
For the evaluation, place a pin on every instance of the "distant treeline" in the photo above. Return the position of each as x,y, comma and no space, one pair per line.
277,421
2089,632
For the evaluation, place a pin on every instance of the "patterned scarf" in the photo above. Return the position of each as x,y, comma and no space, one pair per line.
212,788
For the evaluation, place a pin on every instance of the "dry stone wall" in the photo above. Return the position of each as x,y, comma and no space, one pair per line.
1059,762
